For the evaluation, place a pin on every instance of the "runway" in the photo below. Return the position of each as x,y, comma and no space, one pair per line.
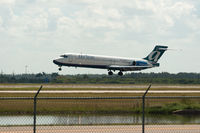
105,129
103,91
99,86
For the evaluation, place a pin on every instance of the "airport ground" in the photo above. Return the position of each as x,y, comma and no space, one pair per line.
116,106
98,106
105,129
97,87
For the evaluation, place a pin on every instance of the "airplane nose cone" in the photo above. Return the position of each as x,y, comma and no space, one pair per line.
55,61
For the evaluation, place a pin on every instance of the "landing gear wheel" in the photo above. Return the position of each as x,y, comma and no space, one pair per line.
120,73
60,69
110,73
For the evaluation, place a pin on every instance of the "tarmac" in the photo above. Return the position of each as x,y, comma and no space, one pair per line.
110,86
105,129
102,91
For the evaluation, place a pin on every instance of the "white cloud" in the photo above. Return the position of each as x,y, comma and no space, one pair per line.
136,23
1,21
109,13
7,2
65,23
55,12
169,11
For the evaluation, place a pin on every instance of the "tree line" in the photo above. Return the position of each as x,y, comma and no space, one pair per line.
132,78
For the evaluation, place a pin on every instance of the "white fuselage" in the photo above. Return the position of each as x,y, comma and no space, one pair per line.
112,63
96,61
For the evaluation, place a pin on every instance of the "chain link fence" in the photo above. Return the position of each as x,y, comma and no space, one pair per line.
100,114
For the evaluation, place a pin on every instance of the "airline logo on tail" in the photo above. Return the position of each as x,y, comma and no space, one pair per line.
153,56
157,52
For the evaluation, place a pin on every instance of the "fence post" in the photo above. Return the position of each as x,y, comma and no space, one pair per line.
143,108
34,109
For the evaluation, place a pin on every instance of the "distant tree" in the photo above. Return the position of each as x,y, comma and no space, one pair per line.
13,79
38,75
54,75
43,73
85,76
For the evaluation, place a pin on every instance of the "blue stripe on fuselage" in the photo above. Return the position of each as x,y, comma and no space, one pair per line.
141,63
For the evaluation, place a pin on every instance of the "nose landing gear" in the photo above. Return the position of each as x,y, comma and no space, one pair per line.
60,69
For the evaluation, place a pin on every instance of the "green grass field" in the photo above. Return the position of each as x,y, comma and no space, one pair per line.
96,87
97,106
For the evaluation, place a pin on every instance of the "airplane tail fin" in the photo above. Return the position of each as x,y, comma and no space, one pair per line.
157,52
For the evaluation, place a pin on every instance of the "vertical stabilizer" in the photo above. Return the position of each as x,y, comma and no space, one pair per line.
157,52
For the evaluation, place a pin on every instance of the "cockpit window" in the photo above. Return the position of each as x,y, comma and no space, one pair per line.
65,56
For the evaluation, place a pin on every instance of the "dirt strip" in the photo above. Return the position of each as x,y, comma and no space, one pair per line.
105,129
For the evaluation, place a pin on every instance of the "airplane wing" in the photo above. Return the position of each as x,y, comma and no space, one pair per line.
127,68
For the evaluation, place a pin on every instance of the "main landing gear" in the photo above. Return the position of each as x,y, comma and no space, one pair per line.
120,73
110,73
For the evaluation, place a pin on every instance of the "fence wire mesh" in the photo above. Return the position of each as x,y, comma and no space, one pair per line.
101,115
16,115
179,114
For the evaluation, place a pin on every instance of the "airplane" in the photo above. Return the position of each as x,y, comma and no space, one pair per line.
110,63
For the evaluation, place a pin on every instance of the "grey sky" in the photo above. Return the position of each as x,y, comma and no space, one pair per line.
34,32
